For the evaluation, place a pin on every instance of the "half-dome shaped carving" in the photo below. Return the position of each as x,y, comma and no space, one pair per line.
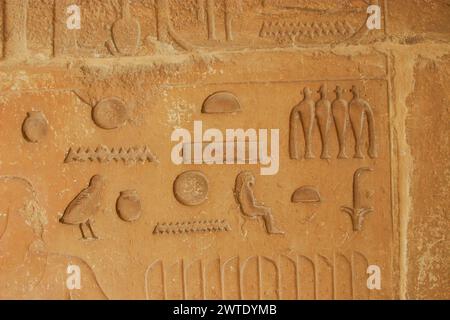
221,102
306,194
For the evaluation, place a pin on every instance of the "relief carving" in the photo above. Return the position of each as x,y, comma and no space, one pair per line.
260,277
126,34
175,80
231,9
358,212
28,269
85,206
305,114
301,23
211,14
104,154
248,204
191,188
295,31
108,113
35,126
198,25
323,115
324,112
306,194
221,102
192,227
166,33
128,205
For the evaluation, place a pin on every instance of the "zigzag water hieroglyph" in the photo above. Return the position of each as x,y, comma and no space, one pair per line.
291,30
192,227
104,154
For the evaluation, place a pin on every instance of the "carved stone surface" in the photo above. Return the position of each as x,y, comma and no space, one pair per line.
356,122
192,227
221,102
358,212
191,188
250,207
110,113
129,205
35,126
306,194
87,203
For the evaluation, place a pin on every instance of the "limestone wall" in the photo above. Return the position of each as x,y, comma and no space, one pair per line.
359,116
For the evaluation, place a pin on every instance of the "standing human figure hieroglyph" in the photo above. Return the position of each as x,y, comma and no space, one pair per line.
304,113
360,113
340,111
340,114
323,115
249,206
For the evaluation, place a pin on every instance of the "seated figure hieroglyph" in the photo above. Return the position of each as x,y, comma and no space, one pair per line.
250,208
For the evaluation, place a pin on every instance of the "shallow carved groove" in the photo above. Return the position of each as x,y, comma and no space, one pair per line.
341,121
308,112
221,102
360,113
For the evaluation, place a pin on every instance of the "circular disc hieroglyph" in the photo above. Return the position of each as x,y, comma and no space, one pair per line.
129,205
35,126
110,113
191,188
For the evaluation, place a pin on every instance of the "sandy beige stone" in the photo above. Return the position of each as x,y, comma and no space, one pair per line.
428,239
359,184
416,20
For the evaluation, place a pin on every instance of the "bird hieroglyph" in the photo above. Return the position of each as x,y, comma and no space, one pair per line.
85,205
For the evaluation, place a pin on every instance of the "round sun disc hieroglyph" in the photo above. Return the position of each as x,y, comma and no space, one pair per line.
110,113
191,188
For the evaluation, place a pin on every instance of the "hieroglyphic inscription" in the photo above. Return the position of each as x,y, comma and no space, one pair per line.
307,113
338,276
192,227
86,204
104,154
